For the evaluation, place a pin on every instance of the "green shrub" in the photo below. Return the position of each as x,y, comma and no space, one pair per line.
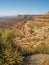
42,49
26,51
9,55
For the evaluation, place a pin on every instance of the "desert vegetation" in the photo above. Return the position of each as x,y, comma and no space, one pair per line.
9,55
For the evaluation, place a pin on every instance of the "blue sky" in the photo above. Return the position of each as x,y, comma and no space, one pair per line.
15,7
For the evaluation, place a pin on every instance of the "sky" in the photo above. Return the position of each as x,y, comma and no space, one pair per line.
16,7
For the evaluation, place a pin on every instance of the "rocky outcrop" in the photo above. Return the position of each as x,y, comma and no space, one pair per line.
39,59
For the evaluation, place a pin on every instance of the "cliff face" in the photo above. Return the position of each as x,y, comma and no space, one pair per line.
30,29
32,32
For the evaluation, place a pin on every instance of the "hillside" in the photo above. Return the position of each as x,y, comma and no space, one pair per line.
32,32
24,32
31,36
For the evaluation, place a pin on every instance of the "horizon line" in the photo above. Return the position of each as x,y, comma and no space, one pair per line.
20,13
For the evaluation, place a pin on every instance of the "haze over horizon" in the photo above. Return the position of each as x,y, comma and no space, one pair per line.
16,7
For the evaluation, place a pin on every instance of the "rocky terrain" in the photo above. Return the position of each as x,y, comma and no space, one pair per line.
39,59
31,31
